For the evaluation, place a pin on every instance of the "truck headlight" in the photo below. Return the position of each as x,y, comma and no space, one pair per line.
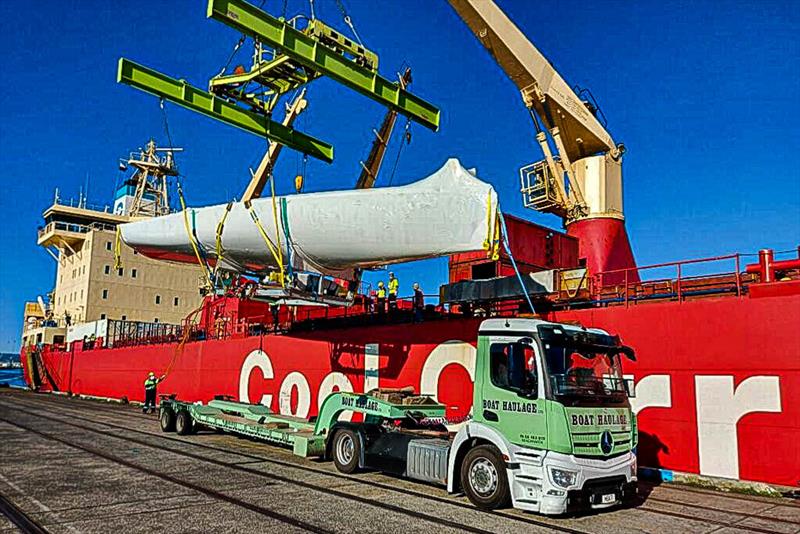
562,477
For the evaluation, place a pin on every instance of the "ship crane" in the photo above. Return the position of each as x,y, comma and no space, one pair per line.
581,180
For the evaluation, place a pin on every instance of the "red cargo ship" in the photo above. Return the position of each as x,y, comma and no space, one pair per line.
717,374
717,340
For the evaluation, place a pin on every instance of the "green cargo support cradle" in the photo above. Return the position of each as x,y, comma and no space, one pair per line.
308,51
183,94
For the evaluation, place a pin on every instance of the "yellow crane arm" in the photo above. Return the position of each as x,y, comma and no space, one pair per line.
543,89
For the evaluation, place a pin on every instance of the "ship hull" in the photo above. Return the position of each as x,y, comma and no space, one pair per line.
717,379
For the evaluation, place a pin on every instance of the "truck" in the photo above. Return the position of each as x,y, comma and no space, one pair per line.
551,428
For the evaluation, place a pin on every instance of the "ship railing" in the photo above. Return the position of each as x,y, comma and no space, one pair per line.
121,333
82,204
58,226
676,280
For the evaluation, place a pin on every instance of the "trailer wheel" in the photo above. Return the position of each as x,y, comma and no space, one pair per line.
484,478
167,420
346,451
183,423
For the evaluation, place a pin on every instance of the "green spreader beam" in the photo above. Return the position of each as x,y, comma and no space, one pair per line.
183,94
306,50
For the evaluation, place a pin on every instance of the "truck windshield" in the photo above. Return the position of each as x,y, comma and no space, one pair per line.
583,365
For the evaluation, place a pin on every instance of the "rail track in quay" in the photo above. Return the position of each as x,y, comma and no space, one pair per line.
89,466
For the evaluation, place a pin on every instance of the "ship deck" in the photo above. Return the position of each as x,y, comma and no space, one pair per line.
90,466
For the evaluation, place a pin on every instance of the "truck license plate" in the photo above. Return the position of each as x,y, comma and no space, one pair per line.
608,498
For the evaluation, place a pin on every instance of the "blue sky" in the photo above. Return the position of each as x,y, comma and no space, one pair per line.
705,95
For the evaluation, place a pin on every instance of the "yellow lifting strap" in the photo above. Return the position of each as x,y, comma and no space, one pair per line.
495,249
218,247
487,243
276,253
200,261
118,250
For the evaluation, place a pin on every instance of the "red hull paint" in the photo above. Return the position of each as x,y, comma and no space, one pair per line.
604,245
690,356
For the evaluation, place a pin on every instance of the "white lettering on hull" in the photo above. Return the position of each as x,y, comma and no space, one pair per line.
449,352
256,359
651,391
719,408
297,381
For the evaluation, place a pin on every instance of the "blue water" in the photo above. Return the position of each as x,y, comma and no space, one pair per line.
12,377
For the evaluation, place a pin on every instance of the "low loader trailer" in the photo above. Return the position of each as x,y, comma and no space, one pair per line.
551,428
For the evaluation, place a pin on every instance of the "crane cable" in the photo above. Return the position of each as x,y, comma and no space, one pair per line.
514,263
347,19
407,139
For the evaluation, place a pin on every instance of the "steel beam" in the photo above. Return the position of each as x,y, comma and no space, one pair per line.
183,94
306,50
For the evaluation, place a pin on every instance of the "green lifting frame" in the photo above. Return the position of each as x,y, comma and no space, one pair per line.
306,50
183,94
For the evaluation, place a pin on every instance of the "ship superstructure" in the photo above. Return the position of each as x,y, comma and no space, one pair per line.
99,278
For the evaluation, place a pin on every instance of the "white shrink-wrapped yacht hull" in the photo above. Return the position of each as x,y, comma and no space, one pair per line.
450,211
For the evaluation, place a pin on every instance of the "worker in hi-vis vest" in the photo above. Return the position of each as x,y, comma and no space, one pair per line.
380,298
394,285
150,392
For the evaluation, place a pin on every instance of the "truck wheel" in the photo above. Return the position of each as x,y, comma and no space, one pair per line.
346,451
183,423
167,420
484,478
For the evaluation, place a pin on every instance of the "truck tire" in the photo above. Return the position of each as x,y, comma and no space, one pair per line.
167,420
183,423
484,478
346,451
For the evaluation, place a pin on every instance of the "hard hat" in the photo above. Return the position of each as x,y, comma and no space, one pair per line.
391,274
380,284
152,373
416,285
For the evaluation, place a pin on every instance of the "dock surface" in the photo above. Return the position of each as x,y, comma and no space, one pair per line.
82,466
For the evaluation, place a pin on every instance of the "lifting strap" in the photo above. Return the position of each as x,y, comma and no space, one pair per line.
118,250
191,235
287,234
276,251
218,246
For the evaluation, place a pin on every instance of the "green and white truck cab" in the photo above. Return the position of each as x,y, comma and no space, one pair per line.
551,429
552,400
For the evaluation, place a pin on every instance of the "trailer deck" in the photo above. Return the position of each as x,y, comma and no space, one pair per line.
89,466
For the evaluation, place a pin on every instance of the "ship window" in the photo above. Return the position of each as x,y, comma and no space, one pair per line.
155,320
108,245
133,273
124,317
135,252
107,269
105,293
102,315
175,302
120,271
158,299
